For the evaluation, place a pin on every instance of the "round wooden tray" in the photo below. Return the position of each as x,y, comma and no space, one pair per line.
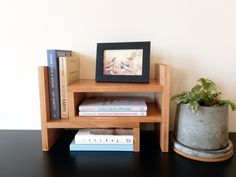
201,155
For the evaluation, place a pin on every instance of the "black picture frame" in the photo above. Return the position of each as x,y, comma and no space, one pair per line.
142,56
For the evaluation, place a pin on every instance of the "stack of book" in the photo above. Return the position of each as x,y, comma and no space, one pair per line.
63,69
113,106
103,140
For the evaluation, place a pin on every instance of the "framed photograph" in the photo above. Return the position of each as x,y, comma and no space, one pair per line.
123,62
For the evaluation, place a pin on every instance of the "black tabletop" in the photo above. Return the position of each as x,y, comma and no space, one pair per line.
21,155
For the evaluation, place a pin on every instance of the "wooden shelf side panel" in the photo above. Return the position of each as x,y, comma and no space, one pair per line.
164,77
48,136
44,94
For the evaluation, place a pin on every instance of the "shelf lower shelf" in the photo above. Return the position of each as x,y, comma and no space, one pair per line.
153,116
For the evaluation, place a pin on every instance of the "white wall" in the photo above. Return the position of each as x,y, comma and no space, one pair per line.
197,38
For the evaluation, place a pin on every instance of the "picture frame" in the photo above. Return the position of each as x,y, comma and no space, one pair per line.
123,62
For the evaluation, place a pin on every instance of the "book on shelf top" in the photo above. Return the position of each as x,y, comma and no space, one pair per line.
69,73
116,104
53,80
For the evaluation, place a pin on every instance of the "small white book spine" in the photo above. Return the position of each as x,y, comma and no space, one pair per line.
84,136
103,139
113,113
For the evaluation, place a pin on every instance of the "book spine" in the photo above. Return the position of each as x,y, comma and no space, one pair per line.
101,147
53,84
63,86
113,113
53,79
104,139
113,108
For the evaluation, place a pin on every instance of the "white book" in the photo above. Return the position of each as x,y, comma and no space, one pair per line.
116,104
84,136
113,114
68,73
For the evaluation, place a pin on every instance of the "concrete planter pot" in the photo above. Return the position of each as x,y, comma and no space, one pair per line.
204,135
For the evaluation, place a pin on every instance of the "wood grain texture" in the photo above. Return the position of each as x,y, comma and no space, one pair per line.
164,76
48,136
51,137
86,123
136,134
157,112
44,94
86,85
205,159
74,99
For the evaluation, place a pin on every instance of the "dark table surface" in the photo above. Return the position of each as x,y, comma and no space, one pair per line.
21,156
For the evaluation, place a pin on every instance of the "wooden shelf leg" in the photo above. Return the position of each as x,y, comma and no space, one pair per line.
49,136
164,137
136,134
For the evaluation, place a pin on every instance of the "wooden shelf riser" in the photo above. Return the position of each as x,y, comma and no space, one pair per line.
74,99
77,92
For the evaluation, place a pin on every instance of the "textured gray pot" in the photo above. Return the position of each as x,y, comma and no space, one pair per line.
204,135
205,130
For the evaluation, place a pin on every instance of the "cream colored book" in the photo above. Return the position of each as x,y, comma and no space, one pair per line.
69,73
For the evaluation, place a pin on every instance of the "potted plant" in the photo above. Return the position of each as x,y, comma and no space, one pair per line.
201,123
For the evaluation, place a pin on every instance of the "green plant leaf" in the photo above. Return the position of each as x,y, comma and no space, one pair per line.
204,93
196,88
203,82
229,103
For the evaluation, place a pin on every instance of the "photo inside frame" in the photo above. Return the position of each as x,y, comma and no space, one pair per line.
123,62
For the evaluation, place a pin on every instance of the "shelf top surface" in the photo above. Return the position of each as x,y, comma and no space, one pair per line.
90,85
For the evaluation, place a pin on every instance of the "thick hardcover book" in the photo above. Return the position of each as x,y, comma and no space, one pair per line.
112,113
85,136
100,147
116,104
53,79
69,73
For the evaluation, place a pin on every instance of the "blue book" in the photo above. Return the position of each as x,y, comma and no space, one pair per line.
54,81
100,147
